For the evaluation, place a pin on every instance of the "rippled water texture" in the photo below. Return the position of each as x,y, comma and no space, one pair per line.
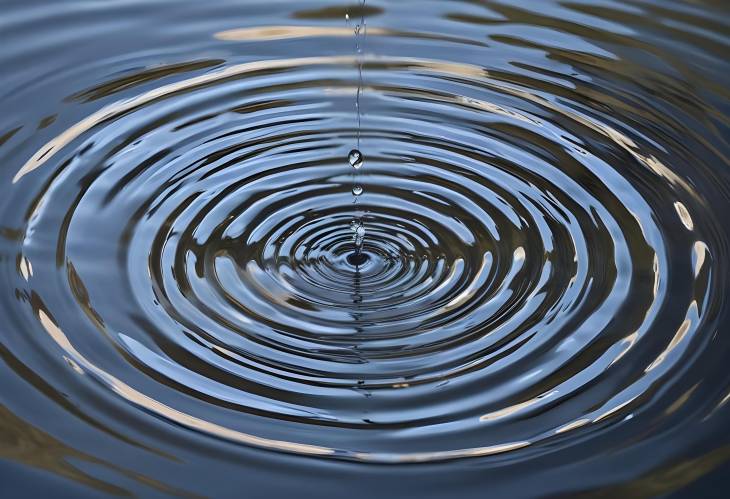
540,307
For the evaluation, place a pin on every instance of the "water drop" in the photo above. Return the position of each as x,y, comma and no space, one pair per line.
357,190
355,158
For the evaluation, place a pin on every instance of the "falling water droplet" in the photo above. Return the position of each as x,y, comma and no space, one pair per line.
355,158
347,17
357,190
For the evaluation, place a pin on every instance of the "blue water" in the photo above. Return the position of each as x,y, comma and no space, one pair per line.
521,292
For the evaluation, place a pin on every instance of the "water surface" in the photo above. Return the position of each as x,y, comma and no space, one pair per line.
539,308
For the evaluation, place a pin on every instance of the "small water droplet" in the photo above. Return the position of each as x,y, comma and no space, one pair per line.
347,17
357,190
356,159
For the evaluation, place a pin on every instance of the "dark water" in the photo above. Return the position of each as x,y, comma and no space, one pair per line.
540,308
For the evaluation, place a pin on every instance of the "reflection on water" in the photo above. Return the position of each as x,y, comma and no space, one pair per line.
537,307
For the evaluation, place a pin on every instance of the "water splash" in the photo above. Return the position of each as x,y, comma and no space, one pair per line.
357,257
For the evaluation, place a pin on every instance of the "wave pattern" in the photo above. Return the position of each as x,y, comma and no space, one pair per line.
545,266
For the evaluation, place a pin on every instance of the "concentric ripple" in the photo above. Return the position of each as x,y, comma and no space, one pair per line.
543,274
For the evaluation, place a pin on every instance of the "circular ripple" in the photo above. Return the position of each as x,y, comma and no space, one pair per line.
523,278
